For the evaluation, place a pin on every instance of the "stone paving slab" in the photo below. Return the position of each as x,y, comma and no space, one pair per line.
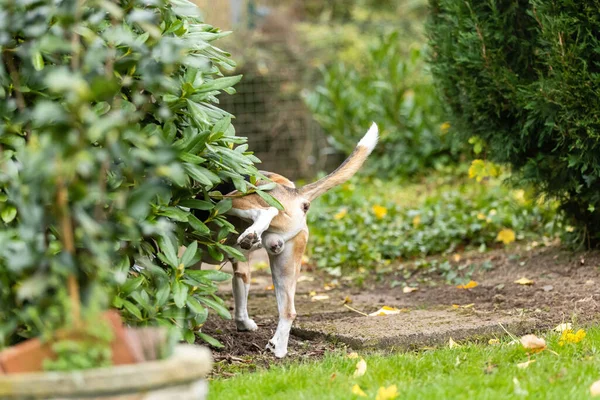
414,329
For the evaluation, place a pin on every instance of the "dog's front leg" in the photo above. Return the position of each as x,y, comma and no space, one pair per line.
285,269
241,288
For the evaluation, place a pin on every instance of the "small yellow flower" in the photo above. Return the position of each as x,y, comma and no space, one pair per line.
358,391
506,236
341,214
481,216
445,127
379,211
416,221
389,393
567,336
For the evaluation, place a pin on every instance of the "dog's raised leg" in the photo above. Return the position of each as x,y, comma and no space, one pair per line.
285,269
241,288
261,219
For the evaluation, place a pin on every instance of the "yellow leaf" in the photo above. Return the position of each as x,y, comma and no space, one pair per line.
270,287
525,364
353,355
455,306
361,368
408,289
416,221
358,391
379,211
469,285
385,310
506,236
494,341
452,344
319,297
524,281
389,393
456,257
259,266
595,389
477,170
533,343
341,214
445,127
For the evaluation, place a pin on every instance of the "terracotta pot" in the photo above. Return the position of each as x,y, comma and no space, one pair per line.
180,377
30,355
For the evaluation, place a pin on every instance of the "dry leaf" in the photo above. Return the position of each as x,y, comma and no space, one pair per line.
408,289
270,287
563,327
456,257
306,278
356,390
595,389
455,306
469,285
452,344
524,281
353,355
525,364
506,236
385,310
534,343
389,393
347,300
361,368
319,297
333,376
494,341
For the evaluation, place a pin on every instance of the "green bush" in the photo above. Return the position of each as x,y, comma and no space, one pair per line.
393,91
523,76
109,136
371,223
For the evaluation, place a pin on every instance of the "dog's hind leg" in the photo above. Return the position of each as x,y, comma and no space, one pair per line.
285,269
261,219
241,288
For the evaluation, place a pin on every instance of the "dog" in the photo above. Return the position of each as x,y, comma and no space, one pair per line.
284,235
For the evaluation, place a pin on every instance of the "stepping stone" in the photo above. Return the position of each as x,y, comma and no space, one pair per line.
414,329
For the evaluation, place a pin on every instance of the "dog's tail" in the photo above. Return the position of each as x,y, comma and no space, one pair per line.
348,168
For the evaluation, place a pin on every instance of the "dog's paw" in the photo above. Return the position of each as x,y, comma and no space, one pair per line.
249,240
246,325
277,351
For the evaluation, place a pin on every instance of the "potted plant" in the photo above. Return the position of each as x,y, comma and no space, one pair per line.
109,136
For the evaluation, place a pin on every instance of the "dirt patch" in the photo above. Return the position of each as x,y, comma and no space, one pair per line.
566,288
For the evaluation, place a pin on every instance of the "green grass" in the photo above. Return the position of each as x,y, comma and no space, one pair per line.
471,371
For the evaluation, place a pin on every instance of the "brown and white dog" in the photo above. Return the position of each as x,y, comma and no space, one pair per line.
284,235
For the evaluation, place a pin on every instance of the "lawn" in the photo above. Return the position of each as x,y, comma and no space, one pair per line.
469,371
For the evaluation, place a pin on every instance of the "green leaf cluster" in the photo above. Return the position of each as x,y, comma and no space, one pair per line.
523,76
111,133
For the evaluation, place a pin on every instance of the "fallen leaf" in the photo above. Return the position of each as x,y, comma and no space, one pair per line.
469,285
524,281
319,297
589,282
563,327
347,300
494,341
312,293
452,344
385,310
329,286
341,214
306,278
356,390
361,368
525,364
379,211
595,389
353,355
534,343
455,306
456,257
389,393
270,287
506,236
408,289
259,266
333,376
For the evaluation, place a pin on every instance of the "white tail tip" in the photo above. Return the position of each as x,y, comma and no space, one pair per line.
370,139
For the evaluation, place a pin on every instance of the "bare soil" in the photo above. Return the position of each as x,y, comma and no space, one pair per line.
565,289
